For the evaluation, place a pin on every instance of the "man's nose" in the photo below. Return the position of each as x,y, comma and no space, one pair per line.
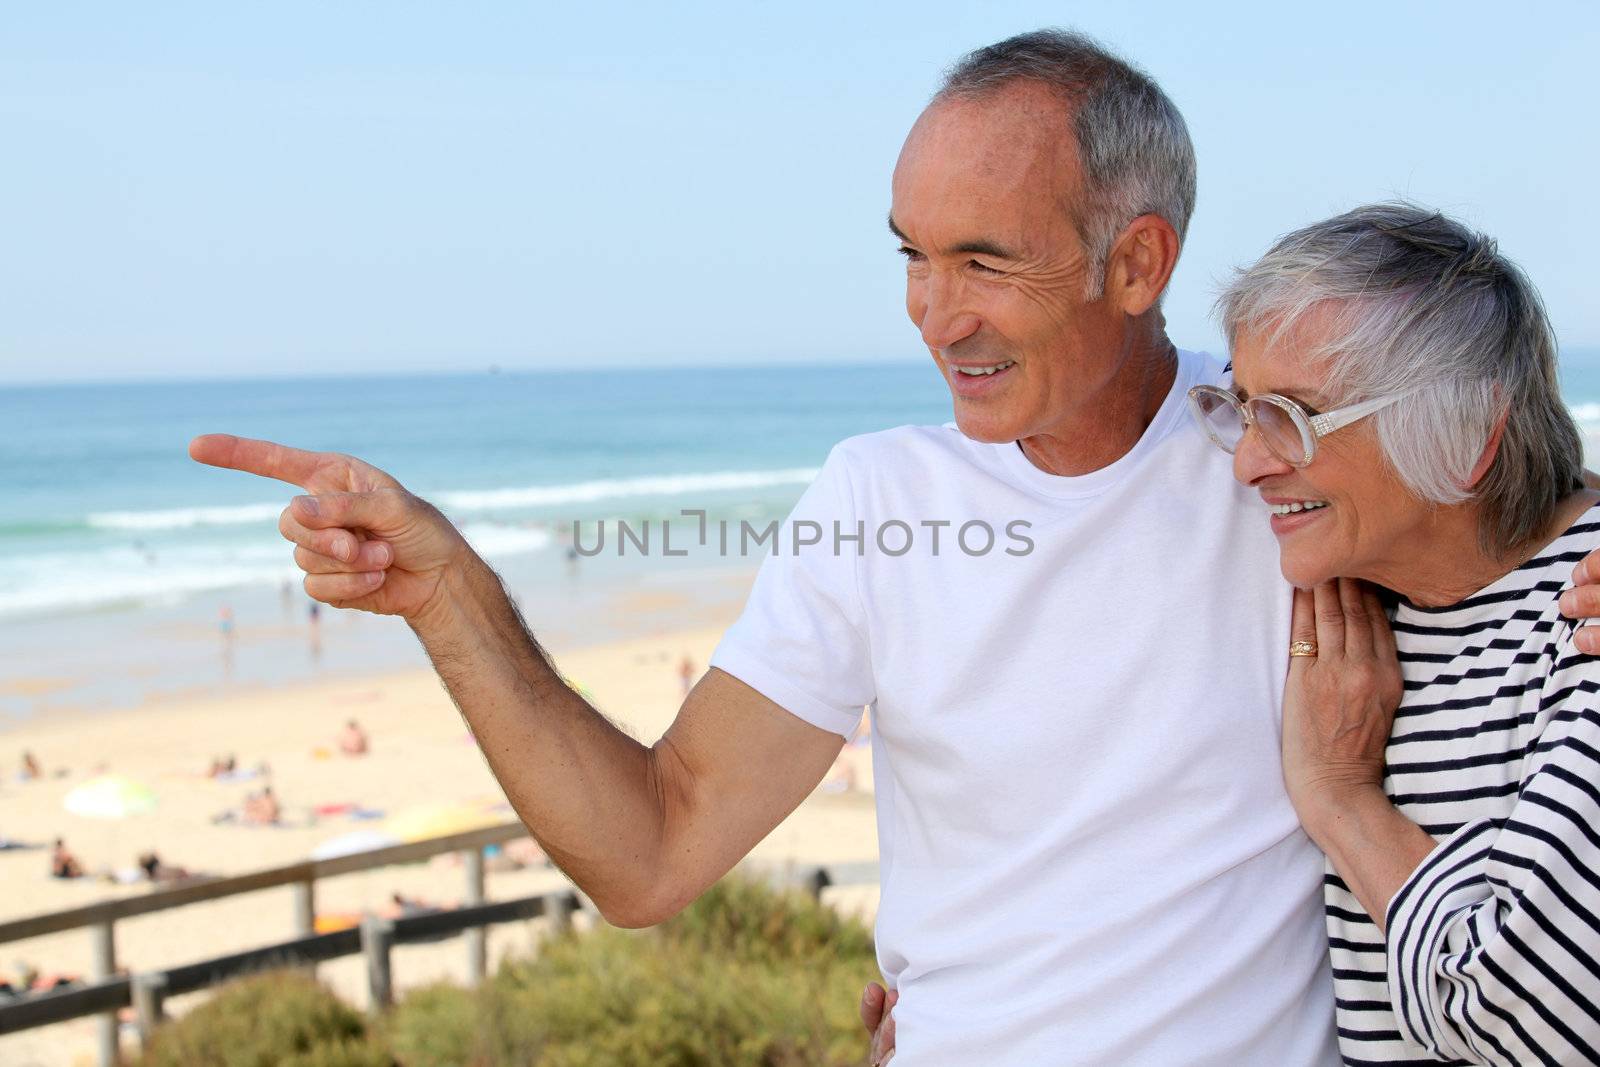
944,317
1253,460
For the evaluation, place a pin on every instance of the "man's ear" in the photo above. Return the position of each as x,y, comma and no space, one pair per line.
1491,449
1141,263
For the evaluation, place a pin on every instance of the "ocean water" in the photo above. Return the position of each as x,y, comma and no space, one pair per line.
102,508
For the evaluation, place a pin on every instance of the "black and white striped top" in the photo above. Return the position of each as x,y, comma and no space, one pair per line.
1493,951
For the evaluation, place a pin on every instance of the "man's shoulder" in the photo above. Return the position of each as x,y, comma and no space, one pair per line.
912,459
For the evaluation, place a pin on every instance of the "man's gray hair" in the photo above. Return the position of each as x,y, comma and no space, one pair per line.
1398,300
1132,143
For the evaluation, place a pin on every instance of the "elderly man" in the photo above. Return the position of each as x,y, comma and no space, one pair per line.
1088,855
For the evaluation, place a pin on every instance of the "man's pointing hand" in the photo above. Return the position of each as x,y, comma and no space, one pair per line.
363,541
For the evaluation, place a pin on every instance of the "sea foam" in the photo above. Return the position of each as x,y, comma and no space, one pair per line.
118,574
469,500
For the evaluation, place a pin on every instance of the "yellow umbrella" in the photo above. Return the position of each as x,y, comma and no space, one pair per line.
437,820
110,796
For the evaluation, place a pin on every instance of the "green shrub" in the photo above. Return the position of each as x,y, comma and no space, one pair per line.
263,1021
435,1026
745,976
745,919
343,1053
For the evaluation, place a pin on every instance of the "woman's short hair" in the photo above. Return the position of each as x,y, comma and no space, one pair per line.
1397,299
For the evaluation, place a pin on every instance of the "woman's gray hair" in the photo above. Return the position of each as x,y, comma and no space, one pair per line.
1398,300
1132,143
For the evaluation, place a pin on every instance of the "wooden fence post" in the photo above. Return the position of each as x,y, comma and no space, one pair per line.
149,1004
103,965
477,937
305,914
305,908
377,937
558,909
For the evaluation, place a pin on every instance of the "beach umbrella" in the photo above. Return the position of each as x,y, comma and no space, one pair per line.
110,796
353,842
437,820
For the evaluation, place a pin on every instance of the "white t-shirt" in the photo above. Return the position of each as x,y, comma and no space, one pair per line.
1088,855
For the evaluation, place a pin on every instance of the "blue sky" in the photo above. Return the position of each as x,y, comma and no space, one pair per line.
199,189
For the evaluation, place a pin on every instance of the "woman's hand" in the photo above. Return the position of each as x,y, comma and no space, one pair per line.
1339,704
877,1015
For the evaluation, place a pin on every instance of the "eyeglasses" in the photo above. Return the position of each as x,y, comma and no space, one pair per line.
1288,430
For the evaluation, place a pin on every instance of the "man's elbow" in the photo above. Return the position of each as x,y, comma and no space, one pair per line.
635,911
633,918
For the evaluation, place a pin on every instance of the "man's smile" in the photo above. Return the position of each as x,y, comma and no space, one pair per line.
971,380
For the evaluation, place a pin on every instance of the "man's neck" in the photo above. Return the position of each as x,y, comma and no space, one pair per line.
1110,423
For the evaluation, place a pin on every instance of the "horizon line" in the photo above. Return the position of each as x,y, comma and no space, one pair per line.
493,369
482,370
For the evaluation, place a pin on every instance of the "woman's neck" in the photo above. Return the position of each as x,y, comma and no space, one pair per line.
1450,563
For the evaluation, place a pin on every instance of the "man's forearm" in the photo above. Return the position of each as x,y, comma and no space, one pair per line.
591,795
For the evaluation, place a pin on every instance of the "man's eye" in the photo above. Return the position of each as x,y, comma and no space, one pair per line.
911,254
983,268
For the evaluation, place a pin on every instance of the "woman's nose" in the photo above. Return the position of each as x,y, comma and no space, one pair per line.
1253,460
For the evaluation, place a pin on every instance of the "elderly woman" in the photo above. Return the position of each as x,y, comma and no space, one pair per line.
1395,404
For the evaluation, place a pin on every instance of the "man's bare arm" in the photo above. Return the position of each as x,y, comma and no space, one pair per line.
642,830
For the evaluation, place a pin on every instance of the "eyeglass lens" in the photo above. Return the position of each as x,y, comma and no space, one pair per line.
1277,428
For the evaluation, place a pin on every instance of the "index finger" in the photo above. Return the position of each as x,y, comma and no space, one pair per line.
269,460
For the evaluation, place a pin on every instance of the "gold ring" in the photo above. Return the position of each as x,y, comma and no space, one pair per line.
1303,648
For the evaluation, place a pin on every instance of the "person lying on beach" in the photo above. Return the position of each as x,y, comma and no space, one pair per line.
63,864
352,739
258,809
31,980
404,907
148,868
154,870
1089,852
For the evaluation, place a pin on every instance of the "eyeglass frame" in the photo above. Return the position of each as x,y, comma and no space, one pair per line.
1311,426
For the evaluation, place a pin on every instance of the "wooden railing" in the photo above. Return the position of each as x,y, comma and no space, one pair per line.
302,875
100,918
108,992
147,991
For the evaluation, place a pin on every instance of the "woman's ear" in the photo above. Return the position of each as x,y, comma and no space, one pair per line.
1491,449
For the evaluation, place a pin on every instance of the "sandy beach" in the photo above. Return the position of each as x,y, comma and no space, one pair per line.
420,752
